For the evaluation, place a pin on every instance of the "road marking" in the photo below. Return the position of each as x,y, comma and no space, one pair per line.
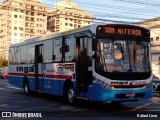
37,107
1,88
13,87
143,106
66,107
3,105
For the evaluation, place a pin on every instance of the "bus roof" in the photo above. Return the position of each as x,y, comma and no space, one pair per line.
59,34
52,35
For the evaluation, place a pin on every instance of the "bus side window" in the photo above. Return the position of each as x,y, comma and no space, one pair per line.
48,51
56,52
70,49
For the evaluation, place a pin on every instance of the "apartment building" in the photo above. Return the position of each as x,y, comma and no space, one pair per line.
154,26
67,15
20,19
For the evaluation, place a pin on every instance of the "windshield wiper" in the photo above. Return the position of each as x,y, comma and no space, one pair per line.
119,46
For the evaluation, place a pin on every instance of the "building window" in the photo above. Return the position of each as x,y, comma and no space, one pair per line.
15,28
151,39
20,16
71,24
70,14
20,28
71,19
157,38
15,16
66,24
15,34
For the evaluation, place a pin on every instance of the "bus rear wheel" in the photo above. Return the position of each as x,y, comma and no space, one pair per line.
26,88
70,95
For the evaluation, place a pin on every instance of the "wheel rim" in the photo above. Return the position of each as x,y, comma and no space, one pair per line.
70,95
154,87
26,88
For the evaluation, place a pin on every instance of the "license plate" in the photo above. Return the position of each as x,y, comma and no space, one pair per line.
130,95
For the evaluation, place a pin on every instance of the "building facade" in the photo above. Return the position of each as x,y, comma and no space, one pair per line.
154,26
20,19
67,15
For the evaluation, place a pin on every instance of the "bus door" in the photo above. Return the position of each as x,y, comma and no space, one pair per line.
39,67
81,67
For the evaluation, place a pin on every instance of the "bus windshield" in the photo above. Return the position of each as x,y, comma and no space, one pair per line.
122,56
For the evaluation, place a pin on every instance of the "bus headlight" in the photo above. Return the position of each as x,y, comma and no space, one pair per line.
148,85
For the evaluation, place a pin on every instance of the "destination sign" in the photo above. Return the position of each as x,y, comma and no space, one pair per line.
122,30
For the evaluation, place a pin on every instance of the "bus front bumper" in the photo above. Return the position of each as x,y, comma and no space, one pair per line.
102,94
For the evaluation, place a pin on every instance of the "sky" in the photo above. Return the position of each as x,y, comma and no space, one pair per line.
117,10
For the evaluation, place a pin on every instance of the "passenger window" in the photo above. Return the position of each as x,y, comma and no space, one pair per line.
48,48
56,52
30,53
71,54
24,50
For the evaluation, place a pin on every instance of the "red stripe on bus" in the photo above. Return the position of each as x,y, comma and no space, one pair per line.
25,74
59,76
40,75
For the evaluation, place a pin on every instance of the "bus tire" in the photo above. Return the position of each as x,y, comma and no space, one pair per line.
70,95
26,88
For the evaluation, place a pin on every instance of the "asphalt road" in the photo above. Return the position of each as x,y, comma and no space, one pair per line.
13,100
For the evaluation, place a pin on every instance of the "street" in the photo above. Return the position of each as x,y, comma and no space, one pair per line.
13,100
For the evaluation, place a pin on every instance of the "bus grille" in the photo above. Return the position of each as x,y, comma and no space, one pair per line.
129,86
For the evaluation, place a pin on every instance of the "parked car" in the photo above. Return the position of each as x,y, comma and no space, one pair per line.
5,75
1,75
156,85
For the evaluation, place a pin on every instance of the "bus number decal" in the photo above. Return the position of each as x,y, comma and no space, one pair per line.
109,30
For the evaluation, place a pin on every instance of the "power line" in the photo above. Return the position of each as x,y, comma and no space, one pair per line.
120,9
142,3
100,17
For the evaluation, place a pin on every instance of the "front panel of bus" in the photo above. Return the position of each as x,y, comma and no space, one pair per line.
122,65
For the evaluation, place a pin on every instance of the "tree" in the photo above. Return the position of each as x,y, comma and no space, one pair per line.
3,62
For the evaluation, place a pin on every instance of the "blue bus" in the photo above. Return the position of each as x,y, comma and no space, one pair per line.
99,62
